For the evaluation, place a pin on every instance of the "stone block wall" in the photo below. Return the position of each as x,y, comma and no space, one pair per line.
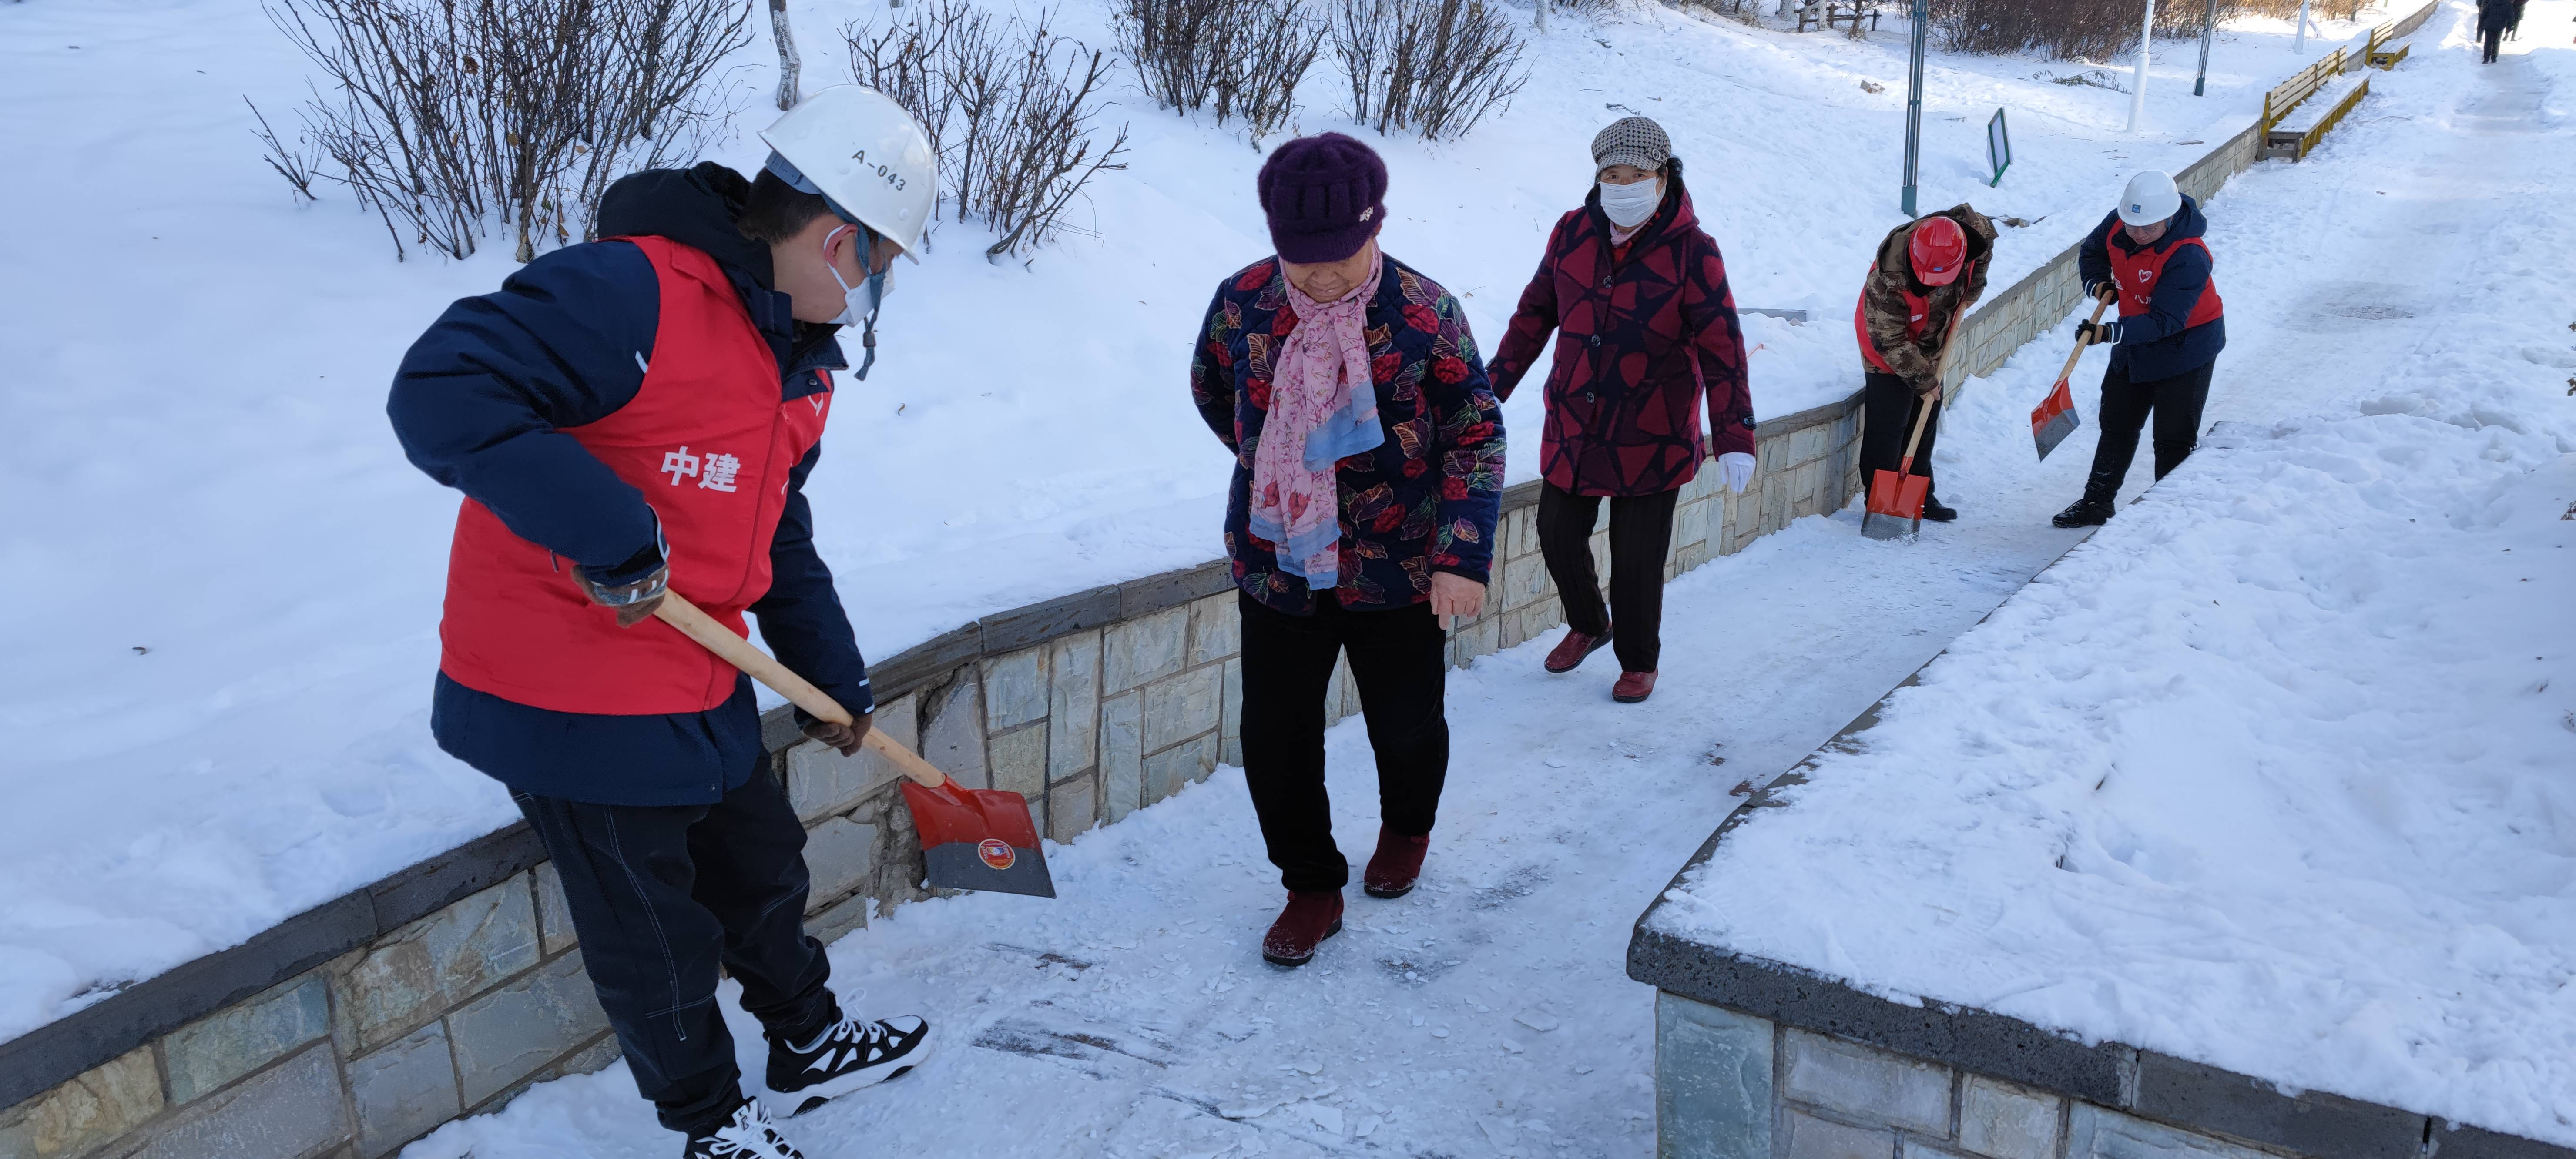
450,1014
1730,1085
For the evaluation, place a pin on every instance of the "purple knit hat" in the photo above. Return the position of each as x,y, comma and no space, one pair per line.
1325,194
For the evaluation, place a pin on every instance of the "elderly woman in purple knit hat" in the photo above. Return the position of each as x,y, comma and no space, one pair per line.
1368,474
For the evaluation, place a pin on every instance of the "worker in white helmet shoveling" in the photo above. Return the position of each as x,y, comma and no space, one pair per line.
632,421
2148,256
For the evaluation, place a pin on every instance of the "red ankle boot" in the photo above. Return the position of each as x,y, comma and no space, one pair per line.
1396,864
1311,917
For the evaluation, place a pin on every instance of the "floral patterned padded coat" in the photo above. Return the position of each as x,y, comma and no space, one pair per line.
1425,500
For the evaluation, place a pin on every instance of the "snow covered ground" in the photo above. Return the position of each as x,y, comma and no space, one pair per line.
2278,771
2354,708
215,714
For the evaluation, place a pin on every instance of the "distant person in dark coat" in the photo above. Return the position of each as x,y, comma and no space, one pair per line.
2494,16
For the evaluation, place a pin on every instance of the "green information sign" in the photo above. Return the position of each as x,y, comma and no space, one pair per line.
1998,148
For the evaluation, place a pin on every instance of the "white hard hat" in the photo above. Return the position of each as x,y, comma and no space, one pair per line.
2150,198
867,157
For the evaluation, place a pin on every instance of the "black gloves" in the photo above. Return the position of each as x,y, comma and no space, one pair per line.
845,737
2098,333
634,588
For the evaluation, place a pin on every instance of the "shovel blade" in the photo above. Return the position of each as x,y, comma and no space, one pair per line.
2053,419
979,839
1895,505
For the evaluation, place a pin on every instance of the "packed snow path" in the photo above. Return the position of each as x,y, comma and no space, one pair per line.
1487,1014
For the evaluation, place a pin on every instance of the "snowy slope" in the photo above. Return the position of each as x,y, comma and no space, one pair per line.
2278,772
215,714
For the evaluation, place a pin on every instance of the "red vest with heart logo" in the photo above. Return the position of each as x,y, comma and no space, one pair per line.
2139,272
709,443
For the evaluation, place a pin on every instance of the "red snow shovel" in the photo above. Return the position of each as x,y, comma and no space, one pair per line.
982,839
2054,418
1896,497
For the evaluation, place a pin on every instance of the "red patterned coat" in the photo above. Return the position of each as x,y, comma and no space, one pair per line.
1639,342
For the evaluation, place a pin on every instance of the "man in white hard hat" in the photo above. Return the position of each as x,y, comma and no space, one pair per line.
639,415
2150,255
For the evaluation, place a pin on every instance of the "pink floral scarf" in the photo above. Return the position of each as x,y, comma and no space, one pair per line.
1323,408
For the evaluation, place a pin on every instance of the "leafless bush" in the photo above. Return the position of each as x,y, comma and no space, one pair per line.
445,115
2058,29
294,164
1434,66
1009,109
1240,58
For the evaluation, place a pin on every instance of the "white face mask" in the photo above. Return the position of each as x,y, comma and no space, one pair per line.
859,303
1630,205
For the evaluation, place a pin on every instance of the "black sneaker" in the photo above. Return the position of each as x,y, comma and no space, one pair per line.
847,1055
2084,513
748,1135
1934,512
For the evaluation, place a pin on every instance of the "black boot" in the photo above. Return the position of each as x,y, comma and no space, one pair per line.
2084,512
1934,512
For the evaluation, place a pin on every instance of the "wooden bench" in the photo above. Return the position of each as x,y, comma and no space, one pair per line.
2285,136
1834,13
2379,55
2298,132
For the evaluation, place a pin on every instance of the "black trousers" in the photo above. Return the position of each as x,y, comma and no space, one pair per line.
2494,42
2176,403
1399,662
660,897
1641,530
1887,417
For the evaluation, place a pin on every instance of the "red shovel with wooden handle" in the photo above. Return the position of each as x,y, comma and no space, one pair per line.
1896,497
981,839
2054,418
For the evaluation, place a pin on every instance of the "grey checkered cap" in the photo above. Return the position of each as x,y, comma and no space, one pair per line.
1637,141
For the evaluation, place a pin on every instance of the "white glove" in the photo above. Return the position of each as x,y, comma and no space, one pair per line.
1737,467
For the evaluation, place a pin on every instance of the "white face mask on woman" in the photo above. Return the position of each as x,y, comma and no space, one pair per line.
1630,205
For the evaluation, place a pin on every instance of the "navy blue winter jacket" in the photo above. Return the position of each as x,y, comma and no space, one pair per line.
2157,345
479,404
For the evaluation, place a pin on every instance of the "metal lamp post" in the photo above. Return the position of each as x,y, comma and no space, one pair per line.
1914,104
2138,88
2208,32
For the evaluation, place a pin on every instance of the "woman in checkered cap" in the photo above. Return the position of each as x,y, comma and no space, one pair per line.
1636,294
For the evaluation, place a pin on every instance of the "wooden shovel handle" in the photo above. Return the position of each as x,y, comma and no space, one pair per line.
734,650
2099,305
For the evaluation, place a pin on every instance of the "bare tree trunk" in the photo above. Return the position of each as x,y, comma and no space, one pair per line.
789,70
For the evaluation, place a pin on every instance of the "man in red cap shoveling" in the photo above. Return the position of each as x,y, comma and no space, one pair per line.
1929,273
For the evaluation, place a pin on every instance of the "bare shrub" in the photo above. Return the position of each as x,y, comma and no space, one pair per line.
1241,59
445,115
2061,30
1434,66
1009,109
294,164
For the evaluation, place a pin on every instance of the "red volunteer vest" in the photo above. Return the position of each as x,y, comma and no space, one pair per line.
1918,312
2139,272
710,444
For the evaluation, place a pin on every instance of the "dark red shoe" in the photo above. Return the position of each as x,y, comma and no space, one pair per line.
1396,864
1633,687
1569,652
1311,917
